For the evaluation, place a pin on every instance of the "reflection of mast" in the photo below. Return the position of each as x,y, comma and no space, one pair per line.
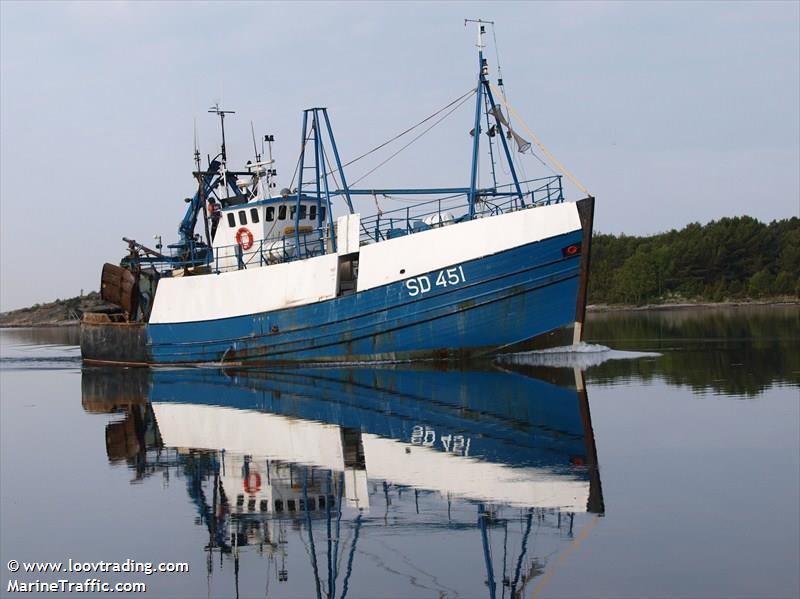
523,551
482,516
310,534
332,538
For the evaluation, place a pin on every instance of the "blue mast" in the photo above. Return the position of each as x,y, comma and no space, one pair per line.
320,169
473,182
300,182
483,87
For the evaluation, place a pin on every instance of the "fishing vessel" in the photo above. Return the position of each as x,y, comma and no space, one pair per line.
297,275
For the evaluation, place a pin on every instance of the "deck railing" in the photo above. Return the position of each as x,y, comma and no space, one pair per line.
422,216
417,217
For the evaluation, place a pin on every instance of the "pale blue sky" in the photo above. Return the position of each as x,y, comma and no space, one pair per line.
668,112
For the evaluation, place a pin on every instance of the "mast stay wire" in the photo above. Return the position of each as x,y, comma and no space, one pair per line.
463,99
401,134
297,165
552,158
460,100
502,86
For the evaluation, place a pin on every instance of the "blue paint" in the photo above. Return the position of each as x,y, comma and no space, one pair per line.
507,298
534,423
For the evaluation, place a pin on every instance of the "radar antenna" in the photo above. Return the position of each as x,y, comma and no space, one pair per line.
216,109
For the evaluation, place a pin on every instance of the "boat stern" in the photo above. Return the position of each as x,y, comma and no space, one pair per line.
103,340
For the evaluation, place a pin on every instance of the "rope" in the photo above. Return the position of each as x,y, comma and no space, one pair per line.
399,135
552,158
452,110
574,545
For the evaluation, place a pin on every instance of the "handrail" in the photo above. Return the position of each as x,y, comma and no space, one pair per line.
406,220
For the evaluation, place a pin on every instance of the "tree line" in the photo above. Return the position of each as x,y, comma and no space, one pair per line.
728,259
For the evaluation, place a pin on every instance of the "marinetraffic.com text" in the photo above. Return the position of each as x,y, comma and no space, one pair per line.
88,585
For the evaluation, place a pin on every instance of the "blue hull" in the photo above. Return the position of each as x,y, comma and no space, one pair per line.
506,299
532,423
528,417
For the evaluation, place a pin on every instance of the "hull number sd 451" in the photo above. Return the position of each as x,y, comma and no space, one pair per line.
448,277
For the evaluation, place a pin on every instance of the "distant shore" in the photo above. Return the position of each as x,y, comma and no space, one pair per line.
66,313
690,305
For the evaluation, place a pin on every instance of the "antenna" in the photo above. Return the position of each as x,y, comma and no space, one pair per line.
221,114
255,147
271,172
481,30
215,109
196,147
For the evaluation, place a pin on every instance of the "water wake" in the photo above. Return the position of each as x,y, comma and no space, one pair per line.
581,355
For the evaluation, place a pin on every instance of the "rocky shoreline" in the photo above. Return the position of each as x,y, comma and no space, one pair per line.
57,313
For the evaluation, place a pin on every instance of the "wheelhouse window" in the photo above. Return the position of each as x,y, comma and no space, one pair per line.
322,213
254,215
312,212
231,219
302,212
282,212
269,215
242,217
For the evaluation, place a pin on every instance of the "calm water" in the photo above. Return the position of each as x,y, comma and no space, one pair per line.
668,466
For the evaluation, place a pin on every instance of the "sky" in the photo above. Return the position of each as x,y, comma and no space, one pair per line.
668,112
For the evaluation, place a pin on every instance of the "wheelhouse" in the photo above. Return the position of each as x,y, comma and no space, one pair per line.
266,231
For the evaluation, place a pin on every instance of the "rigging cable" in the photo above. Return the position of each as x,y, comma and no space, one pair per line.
399,135
447,114
302,152
574,545
552,158
502,87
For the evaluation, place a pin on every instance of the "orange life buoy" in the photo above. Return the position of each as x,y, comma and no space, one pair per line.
252,483
244,238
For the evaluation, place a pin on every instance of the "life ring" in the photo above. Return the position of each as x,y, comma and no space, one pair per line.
244,238
252,484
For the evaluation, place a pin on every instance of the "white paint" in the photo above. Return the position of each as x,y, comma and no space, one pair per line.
250,432
273,287
576,332
356,489
304,441
427,468
381,263
348,233
273,230
241,292
265,438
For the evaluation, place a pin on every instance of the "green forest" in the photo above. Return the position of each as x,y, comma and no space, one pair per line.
736,258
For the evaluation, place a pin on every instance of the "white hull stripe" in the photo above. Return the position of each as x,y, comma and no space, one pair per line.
252,291
300,441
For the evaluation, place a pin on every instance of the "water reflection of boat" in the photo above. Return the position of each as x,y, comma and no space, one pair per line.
350,447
